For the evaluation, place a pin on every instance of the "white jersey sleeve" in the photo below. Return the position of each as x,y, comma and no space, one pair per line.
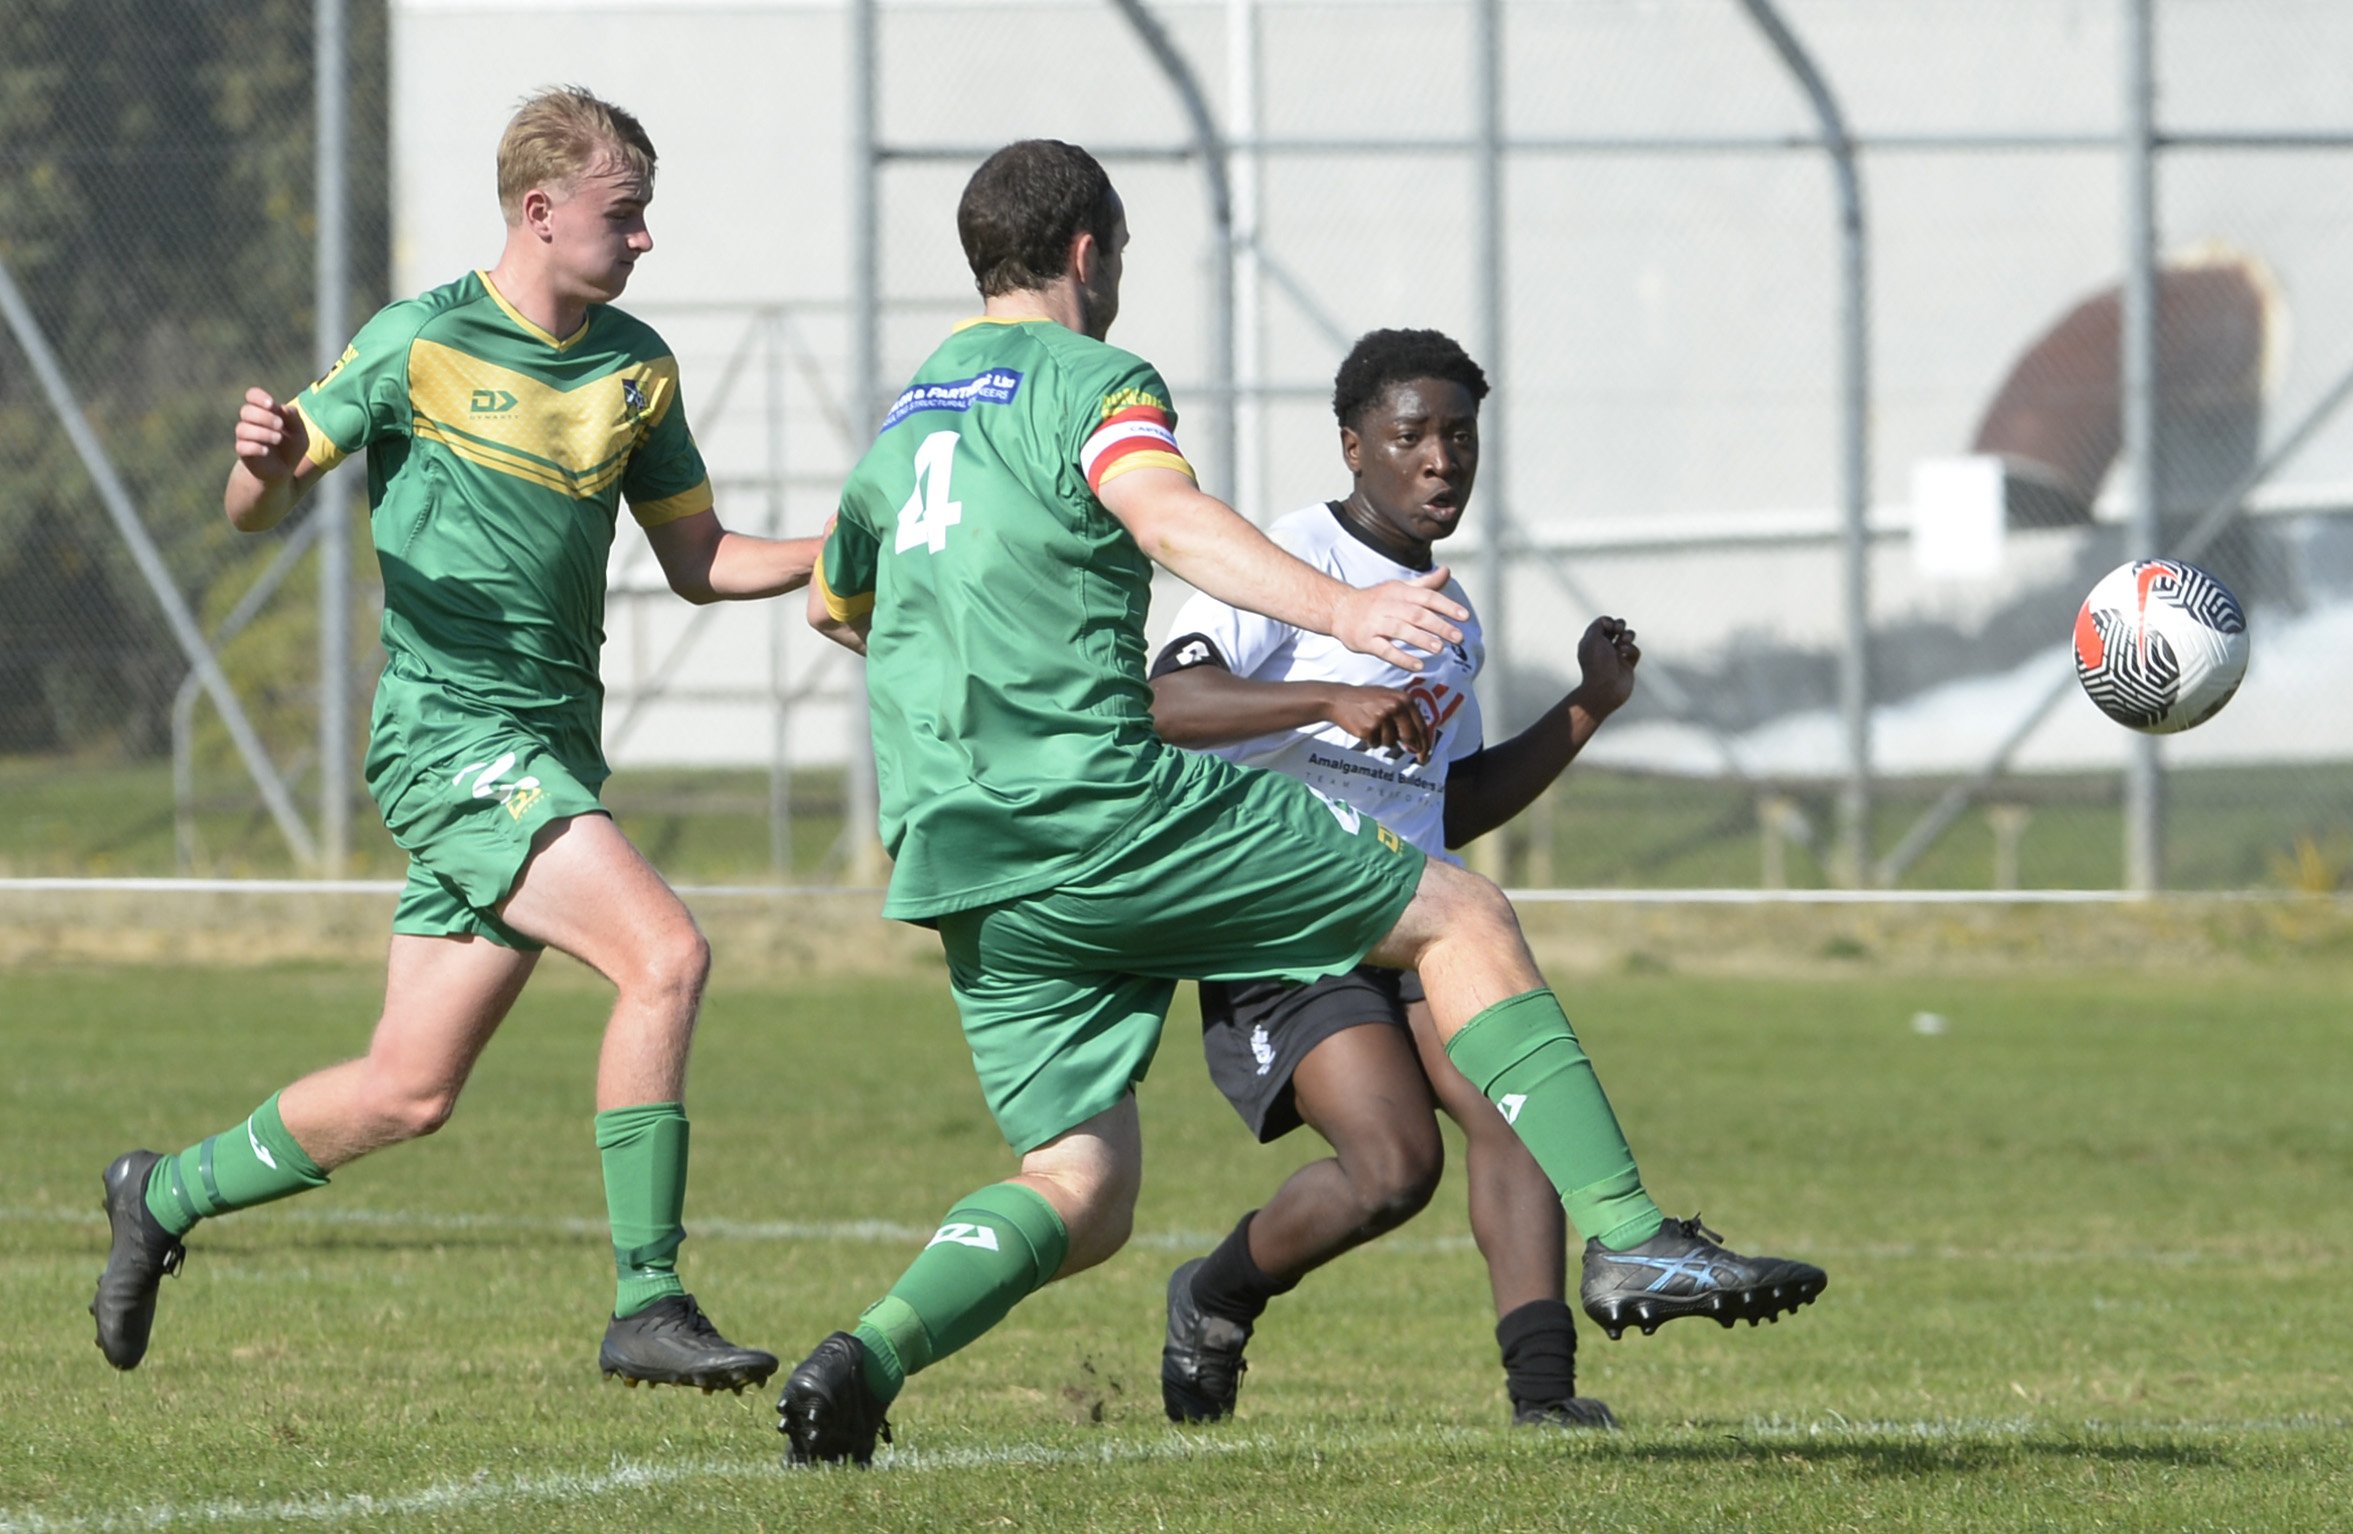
1408,797
1240,641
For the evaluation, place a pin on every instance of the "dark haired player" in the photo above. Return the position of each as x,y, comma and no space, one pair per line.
1356,1056
992,557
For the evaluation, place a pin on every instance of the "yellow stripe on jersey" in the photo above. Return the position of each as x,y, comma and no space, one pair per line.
1142,458
674,508
322,451
491,456
573,441
843,609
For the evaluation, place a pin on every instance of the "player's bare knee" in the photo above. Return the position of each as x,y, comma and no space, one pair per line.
675,968
1094,1195
1397,1183
1452,907
1108,1228
1400,1204
409,1111
1097,1217
1482,906
425,1115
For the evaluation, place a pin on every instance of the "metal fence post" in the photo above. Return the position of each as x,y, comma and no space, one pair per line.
860,810
334,283
2144,770
1854,669
1495,539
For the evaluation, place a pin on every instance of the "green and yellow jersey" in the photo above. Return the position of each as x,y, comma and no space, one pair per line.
498,456
1013,735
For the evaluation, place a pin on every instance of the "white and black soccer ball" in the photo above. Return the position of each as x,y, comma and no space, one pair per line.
2160,645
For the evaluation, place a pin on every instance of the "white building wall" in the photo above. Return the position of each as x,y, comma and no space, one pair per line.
1670,343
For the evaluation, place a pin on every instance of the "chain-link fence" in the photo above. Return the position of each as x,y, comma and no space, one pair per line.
160,687
1805,321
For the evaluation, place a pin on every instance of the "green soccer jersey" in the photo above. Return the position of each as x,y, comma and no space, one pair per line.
1013,735
497,458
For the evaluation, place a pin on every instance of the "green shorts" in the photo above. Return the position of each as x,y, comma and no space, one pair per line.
464,790
1245,874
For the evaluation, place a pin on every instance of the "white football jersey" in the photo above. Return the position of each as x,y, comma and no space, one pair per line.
1407,796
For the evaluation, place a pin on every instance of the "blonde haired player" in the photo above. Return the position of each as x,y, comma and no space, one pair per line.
505,417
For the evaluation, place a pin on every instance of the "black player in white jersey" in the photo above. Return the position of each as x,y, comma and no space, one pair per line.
1355,1057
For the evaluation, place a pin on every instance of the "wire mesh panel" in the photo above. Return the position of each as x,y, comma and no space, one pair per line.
156,197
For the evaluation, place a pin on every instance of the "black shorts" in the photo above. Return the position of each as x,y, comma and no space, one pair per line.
1255,1032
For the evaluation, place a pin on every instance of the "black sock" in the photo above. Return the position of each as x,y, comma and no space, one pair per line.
1229,1284
1539,1342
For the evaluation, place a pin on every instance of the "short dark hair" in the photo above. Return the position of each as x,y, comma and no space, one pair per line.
1383,358
1024,206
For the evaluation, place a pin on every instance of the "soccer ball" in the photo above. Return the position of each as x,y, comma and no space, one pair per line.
2160,645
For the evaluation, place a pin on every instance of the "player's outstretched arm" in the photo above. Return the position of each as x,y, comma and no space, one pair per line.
1486,789
272,471
1206,542
704,562
1207,705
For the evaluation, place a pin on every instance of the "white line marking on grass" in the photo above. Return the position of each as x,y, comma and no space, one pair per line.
890,1233
1780,1430
484,1490
874,1231
479,1490
542,1225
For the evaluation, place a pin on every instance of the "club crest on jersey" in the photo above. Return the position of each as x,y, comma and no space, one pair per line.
633,396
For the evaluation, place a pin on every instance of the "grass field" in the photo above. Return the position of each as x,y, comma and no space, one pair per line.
2090,1269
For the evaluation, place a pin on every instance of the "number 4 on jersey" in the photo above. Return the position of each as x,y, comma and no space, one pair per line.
929,513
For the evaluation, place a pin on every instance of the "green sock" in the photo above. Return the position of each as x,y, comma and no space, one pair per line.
254,1163
644,1153
995,1247
1522,1054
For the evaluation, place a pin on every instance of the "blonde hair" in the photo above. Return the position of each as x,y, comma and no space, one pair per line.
558,136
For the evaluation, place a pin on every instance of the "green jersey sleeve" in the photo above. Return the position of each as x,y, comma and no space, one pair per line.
364,397
1125,422
846,566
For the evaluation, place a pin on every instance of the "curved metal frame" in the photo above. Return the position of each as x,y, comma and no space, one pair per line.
1854,671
